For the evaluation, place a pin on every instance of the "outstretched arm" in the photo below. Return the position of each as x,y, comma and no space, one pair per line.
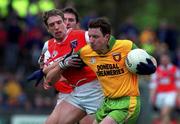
46,69
53,75
70,60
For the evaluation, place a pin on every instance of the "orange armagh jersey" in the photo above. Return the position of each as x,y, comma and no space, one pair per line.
50,58
110,69
76,76
165,78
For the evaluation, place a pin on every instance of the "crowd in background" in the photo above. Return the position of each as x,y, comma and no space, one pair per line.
22,38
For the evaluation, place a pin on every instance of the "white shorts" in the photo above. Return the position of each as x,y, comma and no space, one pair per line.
166,99
87,97
61,97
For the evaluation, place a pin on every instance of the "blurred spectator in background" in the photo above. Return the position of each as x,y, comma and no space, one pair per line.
4,8
148,40
3,41
163,87
92,14
3,97
46,5
160,50
20,7
167,33
14,93
25,7
177,57
12,48
128,30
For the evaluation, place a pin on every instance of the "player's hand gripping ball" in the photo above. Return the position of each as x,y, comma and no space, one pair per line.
138,61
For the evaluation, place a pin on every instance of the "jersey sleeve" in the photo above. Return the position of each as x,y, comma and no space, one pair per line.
41,57
45,47
46,56
134,46
87,37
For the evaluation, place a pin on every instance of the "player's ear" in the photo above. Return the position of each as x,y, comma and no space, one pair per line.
107,36
47,28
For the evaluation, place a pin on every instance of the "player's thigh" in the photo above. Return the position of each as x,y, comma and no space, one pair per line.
170,100
166,99
88,97
133,118
159,100
68,113
53,117
120,109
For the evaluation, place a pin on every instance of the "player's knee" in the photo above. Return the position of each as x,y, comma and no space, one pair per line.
87,120
48,121
52,119
95,122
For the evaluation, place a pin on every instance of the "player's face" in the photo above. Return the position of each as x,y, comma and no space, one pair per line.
98,42
165,60
70,21
56,27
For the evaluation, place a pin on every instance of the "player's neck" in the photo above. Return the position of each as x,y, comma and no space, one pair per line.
59,40
104,50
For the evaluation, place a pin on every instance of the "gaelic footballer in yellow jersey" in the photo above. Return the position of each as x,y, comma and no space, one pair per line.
106,57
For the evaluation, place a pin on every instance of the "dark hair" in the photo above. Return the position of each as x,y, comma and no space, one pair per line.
72,11
53,12
101,23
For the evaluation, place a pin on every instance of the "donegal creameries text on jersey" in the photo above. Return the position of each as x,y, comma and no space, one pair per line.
109,69
115,79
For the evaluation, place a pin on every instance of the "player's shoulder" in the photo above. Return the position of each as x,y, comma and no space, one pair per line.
82,35
47,44
86,49
124,41
77,31
125,44
51,40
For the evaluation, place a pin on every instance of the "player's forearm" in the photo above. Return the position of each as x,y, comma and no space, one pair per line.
50,67
54,75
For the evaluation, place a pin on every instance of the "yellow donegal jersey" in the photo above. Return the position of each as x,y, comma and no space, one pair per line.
115,79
